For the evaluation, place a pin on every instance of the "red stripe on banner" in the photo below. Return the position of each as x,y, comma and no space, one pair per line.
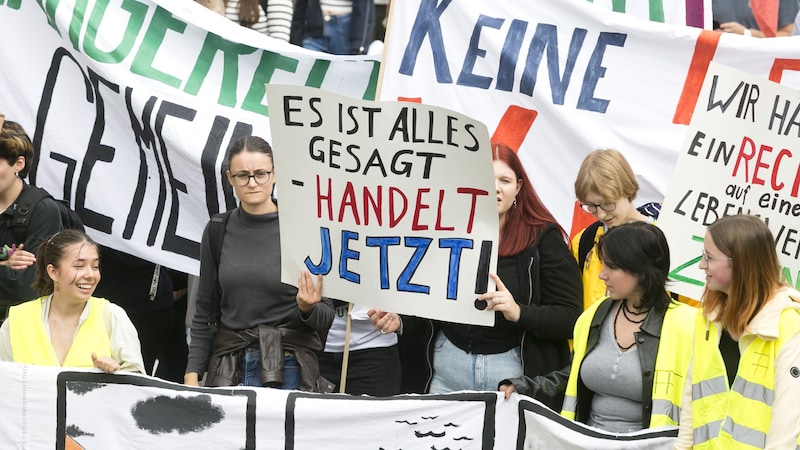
580,220
781,65
514,126
704,51
410,99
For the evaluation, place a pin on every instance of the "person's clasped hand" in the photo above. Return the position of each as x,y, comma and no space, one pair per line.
308,294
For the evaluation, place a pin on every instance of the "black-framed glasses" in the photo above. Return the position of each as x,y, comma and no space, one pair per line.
591,208
243,179
708,259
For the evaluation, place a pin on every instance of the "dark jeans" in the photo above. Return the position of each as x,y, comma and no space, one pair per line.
251,367
372,371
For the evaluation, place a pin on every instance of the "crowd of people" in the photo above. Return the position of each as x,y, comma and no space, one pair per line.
588,325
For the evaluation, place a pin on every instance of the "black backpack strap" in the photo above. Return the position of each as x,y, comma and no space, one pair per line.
216,234
587,242
23,208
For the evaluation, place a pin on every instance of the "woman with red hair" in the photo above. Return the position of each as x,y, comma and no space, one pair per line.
537,301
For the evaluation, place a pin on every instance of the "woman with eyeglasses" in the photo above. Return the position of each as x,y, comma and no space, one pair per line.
745,296
249,328
605,187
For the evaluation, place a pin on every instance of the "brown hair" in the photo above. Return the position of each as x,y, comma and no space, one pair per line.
249,12
755,271
607,173
14,142
524,221
51,251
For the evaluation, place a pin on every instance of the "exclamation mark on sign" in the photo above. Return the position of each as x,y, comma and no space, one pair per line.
482,277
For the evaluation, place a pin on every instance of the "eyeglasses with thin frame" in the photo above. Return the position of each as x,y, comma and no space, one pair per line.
591,208
708,259
243,179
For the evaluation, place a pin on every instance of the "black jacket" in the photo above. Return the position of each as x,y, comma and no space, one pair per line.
550,389
307,21
550,298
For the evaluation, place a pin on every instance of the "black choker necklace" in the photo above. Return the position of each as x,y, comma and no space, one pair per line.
626,311
615,332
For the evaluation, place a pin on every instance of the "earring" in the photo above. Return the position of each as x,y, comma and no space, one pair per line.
16,174
514,205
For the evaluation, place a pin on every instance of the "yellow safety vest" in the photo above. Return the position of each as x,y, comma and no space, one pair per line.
30,343
738,418
753,391
672,363
709,384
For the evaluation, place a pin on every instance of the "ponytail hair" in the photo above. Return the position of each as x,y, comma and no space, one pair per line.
51,251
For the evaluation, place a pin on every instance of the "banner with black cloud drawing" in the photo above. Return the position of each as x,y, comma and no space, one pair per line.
46,408
394,202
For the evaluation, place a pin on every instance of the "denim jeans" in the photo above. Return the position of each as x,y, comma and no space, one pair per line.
335,39
251,369
456,370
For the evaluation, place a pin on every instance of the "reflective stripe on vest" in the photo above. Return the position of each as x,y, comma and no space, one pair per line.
709,384
752,394
30,343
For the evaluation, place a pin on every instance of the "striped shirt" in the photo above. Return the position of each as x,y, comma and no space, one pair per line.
276,22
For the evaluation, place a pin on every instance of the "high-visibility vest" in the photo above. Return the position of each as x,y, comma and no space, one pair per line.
753,391
738,418
709,384
672,363
30,343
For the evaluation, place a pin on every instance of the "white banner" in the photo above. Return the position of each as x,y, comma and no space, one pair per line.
45,408
132,106
740,156
394,202
558,79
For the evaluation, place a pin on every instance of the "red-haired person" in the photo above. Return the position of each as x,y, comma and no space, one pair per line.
537,301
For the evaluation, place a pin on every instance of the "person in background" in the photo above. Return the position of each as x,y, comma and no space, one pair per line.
17,270
249,328
744,294
736,16
605,187
537,301
269,17
631,348
373,362
147,294
218,6
338,27
67,326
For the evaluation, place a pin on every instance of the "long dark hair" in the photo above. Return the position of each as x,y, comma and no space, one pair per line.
525,221
640,249
51,251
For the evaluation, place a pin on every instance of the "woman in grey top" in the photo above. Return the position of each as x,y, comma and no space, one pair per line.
250,328
631,349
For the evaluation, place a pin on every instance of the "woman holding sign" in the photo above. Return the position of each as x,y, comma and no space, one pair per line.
249,328
537,301
744,295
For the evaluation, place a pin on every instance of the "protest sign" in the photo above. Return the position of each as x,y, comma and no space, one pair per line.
394,202
740,156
